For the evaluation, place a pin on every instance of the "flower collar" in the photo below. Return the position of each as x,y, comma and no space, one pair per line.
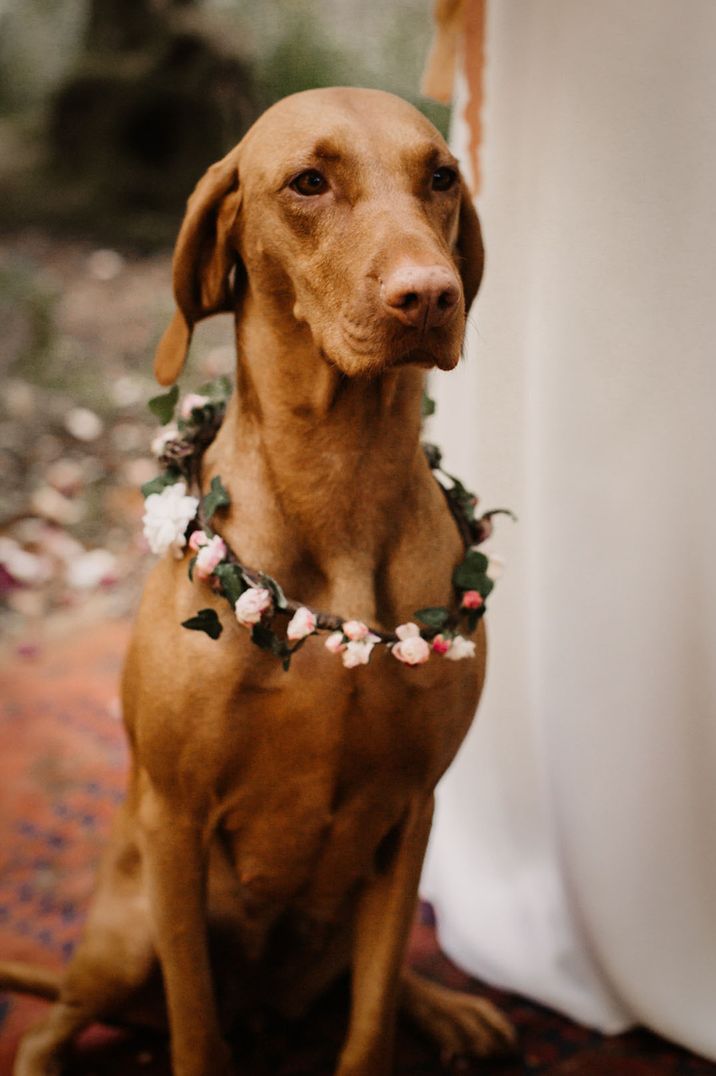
175,519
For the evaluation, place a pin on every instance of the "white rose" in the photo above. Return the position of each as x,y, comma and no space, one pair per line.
251,606
411,649
166,518
461,648
355,629
334,643
301,624
357,651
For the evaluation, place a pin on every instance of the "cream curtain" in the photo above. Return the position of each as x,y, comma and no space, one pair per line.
574,851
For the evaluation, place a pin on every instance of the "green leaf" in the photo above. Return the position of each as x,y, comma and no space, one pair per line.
156,485
434,616
277,593
205,620
163,406
216,498
473,616
472,574
428,406
192,563
219,389
463,498
267,639
231,579
433,455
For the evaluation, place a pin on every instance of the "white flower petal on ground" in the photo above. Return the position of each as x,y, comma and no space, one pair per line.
83,424
24,567
53,505
166,518
90,569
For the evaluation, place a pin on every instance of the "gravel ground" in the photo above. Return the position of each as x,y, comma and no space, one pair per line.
79,329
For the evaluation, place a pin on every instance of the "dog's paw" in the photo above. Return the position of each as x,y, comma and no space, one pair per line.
462,1026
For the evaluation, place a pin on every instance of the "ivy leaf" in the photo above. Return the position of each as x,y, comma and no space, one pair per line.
472,574
156,485
205,620
267,639
192,564
163,406
216,498
433,455
473,615
462,497
279,598
428,406
434,616
231,579
219,389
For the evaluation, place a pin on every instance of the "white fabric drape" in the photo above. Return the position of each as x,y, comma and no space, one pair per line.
574,852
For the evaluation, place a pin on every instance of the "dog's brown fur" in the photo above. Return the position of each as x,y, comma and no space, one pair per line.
287,814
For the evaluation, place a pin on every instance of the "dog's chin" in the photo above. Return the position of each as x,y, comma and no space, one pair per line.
373,364
427,360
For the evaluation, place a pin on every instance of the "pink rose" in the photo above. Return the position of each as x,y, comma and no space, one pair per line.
355,630
472,599
197,540
251,606
441,645
209,556
192,400
301,624
411,649
335,643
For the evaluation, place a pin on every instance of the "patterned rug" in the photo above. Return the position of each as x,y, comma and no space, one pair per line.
63,766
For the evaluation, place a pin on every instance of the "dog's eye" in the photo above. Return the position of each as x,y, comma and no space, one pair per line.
444,179
310,182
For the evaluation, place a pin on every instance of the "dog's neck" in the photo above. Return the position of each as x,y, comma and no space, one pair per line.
333,456
296,401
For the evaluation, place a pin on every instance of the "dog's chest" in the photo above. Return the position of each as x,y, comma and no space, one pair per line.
330,772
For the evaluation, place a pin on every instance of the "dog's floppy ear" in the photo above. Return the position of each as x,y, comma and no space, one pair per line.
204,256
469,249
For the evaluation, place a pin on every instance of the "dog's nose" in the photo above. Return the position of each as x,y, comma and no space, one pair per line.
425,296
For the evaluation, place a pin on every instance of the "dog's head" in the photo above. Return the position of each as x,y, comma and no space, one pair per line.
343,210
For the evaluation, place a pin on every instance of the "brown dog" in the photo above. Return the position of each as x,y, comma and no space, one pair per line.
286,814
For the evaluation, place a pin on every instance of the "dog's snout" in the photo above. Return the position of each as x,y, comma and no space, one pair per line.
424,296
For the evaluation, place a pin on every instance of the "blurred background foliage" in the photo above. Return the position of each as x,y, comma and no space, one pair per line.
110,110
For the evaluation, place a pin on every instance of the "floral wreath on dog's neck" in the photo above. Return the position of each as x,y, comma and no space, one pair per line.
174,518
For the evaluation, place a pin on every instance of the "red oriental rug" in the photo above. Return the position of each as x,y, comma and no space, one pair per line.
63,767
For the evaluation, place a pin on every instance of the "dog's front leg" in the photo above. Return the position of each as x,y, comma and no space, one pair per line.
383,921
176,877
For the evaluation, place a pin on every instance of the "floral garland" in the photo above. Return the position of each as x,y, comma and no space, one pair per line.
175,519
